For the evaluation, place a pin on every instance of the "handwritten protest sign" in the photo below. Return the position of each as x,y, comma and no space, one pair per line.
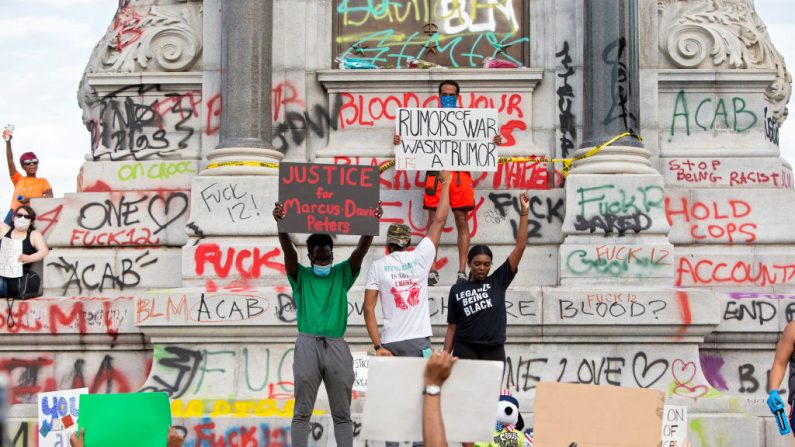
451,139
360,365
674,427
10,250
334,199
58,415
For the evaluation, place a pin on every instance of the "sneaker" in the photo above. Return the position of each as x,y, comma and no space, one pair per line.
433,278
462,277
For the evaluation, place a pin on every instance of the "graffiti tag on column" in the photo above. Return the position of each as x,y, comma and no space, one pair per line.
566,118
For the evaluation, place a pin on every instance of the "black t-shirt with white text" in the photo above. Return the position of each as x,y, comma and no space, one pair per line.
478,308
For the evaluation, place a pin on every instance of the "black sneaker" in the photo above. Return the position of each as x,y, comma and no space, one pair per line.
462,277
433,278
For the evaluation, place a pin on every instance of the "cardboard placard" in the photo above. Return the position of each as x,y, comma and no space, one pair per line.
125,420
393,408
10,250
597,416
331,199
361,363
674,426
446,139
58,415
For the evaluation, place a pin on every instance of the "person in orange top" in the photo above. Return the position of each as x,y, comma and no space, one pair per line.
28,187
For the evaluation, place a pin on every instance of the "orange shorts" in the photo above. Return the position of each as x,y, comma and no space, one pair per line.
462,192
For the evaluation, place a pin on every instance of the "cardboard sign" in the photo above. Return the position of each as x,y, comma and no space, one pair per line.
446,139
393,408
674,426
332,199
360,366
10,251
58,415
597,416
125,420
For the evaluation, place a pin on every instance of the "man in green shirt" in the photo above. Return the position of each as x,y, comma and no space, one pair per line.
321,354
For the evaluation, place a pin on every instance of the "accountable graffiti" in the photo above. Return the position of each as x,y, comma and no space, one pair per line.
701,270
707,114
725,220
450,33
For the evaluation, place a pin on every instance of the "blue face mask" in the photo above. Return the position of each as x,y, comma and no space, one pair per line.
321,270
448,102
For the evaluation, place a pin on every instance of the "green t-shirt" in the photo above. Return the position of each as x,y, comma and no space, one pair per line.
321,303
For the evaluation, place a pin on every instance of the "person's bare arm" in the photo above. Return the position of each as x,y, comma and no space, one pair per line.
784,350
442,210
78,440
437,370
38,242
449,337
357,257
12,169
370,299
521,234
290,255
47,193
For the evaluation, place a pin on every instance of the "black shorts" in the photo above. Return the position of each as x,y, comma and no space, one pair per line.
474,351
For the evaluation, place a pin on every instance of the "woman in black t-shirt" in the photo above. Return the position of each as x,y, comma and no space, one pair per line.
476,318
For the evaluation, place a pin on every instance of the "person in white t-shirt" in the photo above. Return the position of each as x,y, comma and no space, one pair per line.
400,279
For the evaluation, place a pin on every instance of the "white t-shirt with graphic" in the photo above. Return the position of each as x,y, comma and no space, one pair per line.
401,279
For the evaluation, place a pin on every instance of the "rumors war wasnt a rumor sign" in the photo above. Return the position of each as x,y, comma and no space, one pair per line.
333,199
446,139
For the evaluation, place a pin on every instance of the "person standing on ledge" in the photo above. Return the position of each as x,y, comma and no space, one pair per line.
462,191
785,356
28,187
321,353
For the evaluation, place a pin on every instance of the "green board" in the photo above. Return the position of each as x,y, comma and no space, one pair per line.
125,420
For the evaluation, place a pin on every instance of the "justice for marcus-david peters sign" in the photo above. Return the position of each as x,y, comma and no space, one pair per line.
446,139
333,199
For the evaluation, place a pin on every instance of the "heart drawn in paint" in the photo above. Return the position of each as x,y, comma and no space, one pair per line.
693,392
683,372
641,369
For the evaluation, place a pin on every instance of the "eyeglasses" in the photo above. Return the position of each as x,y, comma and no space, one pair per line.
30,162
22,216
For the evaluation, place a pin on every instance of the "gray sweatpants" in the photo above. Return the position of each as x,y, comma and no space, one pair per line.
329,360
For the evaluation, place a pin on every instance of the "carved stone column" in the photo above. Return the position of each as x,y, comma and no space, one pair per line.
611,89
245,147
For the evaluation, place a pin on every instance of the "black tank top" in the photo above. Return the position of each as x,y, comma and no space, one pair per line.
27,247
791,381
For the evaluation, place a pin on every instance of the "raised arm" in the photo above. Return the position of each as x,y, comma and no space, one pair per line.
12,169
521,234
442,210
290,255
437,370
360,251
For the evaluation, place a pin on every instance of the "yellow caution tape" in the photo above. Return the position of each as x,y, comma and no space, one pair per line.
567,162
257,164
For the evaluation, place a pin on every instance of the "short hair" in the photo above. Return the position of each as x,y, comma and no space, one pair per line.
479,250
450,82
31,213
319,240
